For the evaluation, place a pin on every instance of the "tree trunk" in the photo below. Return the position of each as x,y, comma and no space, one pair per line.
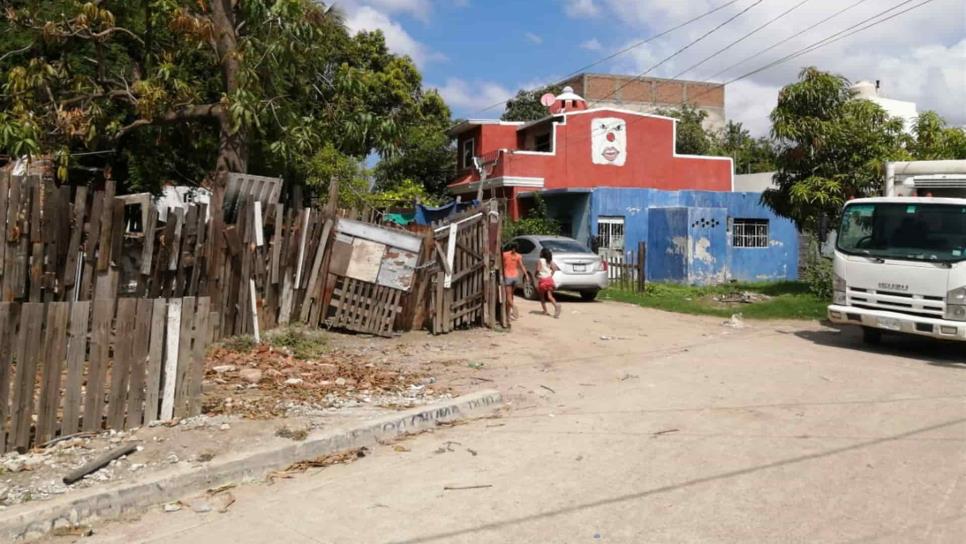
232,148
232,145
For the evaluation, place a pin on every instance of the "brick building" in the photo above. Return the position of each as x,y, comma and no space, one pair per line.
649,94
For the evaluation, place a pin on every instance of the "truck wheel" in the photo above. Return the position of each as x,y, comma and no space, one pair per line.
871,336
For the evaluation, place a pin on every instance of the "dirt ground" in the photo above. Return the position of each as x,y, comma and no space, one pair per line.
626,424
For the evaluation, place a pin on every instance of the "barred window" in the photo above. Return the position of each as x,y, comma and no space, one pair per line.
748,232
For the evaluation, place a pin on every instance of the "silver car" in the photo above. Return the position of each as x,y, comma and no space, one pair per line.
581,270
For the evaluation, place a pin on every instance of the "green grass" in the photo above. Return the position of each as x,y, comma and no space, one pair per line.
788,300
301,342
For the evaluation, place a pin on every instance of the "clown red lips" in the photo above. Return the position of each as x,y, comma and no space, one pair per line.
609,141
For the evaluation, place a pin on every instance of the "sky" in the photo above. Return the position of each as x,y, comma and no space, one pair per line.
478,53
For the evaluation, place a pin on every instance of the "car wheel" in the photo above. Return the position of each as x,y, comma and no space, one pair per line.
871,336
588,296
529,291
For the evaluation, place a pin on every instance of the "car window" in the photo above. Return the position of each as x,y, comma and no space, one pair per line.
524,246
564,246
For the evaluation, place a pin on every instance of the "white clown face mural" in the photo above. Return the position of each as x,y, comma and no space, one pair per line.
608,137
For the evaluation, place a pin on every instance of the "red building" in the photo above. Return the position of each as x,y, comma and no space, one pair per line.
577,147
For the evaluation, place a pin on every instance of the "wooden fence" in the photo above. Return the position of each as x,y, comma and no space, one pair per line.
628,271
271,265
91,365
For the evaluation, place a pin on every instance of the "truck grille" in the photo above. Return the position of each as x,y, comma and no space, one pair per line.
904,303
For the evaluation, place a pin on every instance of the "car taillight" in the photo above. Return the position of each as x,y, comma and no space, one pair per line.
603,265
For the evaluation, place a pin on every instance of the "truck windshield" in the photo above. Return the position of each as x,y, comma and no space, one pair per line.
913,231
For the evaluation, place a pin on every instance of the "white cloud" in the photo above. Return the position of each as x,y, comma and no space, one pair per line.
592,45
472,96
918,56
533,38
419,9
750,104
581,8
397,39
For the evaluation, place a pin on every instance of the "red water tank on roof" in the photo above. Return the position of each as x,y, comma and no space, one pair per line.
568,100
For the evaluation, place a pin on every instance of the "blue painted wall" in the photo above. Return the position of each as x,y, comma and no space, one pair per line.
667,254
707,237
777,261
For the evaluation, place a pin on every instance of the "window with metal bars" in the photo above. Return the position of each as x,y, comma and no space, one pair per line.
748,232
610,232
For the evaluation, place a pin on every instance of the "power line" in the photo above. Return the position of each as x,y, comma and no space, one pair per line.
678,52
786,40
828,40
626,49
651,39
741,39
842,34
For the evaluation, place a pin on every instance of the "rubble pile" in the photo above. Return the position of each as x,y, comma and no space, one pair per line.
264,381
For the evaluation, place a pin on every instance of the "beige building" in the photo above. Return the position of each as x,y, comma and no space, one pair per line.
648,94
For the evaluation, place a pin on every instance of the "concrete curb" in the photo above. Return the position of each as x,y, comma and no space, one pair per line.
36,520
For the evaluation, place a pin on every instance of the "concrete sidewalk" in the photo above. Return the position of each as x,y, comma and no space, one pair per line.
33,520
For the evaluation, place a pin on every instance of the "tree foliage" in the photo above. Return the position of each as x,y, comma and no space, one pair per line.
933,140
750,155
426,153
832,148
538,221
177,88
692,138
526,106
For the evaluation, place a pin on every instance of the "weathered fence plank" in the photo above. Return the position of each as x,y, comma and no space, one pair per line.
139,355
171,348
154,365
28,351
8,346
76,354
54,356
99,351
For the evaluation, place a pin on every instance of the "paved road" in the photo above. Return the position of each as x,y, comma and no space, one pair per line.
631,425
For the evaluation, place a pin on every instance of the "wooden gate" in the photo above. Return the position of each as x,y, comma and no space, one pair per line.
465,286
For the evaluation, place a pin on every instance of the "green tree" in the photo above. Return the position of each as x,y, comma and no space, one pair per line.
329,164
526,106
692,138
832,148
426,154
936,141
750,155
174,89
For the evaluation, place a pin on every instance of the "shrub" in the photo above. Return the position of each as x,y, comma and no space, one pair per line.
818,272
302,342
537,221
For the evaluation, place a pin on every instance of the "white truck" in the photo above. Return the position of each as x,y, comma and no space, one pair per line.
900,259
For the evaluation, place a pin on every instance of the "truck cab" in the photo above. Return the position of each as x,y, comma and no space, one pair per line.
900,266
